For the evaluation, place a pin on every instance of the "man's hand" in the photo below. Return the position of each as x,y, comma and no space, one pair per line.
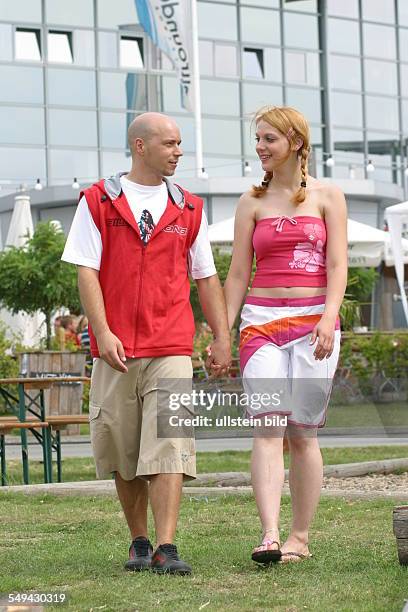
111,350
218,361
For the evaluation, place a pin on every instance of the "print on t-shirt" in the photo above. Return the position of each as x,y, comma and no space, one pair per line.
146,226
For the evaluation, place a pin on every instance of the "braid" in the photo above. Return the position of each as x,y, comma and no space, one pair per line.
300,195
259,190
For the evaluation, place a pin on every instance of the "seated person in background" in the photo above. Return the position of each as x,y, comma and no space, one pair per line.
82,333
69,325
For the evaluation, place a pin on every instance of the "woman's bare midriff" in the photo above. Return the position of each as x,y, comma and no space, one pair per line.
287,292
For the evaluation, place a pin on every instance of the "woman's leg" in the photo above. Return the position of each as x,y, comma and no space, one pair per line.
267,472
305,482
264,375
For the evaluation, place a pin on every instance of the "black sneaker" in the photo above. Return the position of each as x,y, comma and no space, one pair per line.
140,555
166,561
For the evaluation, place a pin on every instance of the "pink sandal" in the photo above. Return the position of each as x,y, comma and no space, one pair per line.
265,554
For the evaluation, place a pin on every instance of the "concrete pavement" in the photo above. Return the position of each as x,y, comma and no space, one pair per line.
79,446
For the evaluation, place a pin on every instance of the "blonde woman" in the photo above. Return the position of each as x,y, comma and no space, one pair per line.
290,332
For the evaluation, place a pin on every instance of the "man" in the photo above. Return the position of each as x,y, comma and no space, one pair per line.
134,238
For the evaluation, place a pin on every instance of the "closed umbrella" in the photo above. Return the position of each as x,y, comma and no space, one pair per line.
27,327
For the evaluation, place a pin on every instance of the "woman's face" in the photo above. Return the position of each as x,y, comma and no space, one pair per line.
272,146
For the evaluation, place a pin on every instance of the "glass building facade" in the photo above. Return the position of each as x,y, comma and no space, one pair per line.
74,74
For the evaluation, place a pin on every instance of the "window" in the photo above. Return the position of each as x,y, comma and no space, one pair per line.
253,63
273,64
302,68
108,49
60,47
255,96
22,125
112,15
21,84
345,72
301,31
226,102
403,12
84,48
382,113
212,15
217,58
6,37
267,3
307,101
72,128
296,71
67,163
381,77
21,11
373,34
403,44
221,136
22,164
342,8
69,87
378,10
344,36
404,79
114,130
123,90
259,26
347,109
206,57
28,44
72,13
301,5
225,57
131,52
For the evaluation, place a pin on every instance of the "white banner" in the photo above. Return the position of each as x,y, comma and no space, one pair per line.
169,25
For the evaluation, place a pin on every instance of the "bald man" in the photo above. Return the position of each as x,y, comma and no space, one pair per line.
135,238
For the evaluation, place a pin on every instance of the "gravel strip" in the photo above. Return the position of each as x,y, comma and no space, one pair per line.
371,482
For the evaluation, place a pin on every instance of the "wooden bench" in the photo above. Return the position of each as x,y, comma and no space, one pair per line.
6,426
56,423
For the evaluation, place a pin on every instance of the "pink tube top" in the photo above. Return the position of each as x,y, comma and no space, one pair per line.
290,252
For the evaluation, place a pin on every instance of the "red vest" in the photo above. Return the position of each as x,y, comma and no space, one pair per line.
146,290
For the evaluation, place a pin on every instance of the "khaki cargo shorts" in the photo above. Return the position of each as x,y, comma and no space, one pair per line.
123,420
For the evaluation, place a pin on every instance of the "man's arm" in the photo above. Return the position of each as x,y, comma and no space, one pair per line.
214,309
109,346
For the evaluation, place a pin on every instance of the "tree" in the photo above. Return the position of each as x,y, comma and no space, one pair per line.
33,277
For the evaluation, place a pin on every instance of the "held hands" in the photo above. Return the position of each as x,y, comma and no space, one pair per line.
218,361
323,332
111,350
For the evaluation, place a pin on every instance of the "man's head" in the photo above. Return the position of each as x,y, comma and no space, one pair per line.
154,141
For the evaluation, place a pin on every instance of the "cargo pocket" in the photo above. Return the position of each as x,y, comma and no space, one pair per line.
94,412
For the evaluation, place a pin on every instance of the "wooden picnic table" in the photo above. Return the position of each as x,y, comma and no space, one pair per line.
31,410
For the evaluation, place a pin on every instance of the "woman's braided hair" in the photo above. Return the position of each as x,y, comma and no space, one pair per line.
294,126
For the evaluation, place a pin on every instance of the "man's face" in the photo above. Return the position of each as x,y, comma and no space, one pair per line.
162,149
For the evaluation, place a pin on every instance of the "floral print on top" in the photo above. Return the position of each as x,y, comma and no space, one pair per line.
309,255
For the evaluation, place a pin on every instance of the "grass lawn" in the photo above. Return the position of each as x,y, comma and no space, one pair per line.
225,461
78,545
368,415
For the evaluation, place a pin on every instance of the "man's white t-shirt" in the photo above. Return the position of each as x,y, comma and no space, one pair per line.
147,203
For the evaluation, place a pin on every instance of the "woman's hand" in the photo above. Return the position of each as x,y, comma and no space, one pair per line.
323,332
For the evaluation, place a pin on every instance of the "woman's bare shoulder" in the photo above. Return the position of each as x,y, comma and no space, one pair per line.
247,205
324,188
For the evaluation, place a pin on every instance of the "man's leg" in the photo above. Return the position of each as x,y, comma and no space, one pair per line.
133,497
165,496
165,458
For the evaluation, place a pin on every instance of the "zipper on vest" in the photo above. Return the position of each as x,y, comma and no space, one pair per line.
140,294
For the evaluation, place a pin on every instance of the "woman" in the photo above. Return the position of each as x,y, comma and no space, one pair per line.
296,225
